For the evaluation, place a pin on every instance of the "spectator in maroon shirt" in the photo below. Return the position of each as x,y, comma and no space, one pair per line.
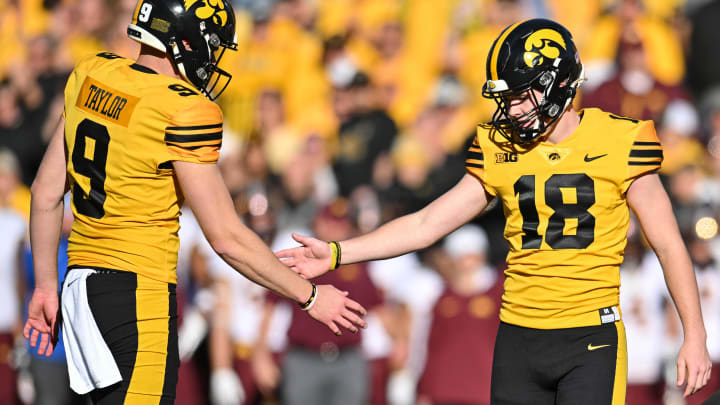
465,321
318,367
633,91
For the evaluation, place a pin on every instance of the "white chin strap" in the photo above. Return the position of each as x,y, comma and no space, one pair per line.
180,65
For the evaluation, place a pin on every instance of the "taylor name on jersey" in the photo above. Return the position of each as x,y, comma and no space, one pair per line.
122,132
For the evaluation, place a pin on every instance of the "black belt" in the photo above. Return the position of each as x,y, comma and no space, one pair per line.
98,270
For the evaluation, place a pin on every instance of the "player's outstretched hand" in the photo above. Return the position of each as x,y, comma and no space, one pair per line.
310,260
693,365
333,307
42,321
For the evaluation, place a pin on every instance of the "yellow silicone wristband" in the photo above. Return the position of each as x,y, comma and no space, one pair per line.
333,255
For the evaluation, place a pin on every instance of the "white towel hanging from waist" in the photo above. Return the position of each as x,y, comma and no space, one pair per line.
90,363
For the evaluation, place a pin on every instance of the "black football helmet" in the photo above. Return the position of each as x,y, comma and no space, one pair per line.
206,26
533,54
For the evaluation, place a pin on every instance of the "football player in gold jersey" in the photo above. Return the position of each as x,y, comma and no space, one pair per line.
137,138
565,180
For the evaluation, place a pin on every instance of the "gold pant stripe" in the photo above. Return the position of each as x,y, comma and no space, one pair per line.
152,309
620,366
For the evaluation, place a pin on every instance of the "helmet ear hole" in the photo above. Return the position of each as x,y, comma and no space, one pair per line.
214,41
545,79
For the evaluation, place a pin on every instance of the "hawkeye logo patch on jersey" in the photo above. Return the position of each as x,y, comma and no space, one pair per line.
544,43
506,157
553,155
105,102
206,9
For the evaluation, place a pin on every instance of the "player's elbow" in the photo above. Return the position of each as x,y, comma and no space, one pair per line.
43,197
425,241
665,249
223,246
430,235
229,247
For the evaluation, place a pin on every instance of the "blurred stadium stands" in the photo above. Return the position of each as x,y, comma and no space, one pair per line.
373,102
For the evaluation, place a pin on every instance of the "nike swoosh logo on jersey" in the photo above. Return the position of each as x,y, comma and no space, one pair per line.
591,347
590,159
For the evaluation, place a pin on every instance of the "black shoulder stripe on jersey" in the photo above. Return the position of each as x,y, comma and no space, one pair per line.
194,128
475,165
644,163
652,153
109,55
143,69
195,147
193,138
646,143
475,155
620,117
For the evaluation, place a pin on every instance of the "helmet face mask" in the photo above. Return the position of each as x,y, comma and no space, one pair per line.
536,59
523,128
194,33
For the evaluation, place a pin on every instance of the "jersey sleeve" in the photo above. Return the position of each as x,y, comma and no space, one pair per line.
646,154
194,134
475,164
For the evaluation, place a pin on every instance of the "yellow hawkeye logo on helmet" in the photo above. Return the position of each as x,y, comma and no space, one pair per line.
205,9
542,43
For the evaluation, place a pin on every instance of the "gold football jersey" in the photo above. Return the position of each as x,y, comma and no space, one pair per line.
566,216
124,124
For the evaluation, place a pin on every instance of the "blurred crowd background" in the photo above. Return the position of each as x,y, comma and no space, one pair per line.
344,114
